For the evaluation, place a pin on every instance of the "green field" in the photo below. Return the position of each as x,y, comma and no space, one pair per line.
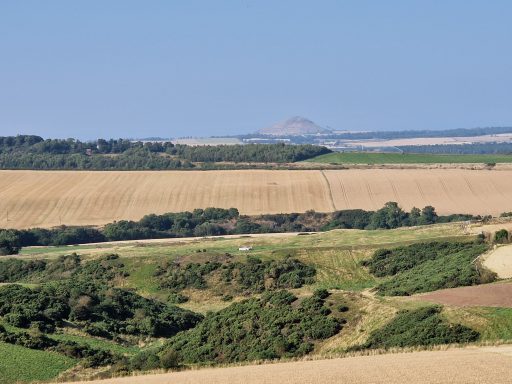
18,364
409,158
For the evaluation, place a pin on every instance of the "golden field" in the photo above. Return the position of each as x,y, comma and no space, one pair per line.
51,198
479,365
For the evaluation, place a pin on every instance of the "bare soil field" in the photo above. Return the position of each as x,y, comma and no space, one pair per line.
500,261
486,295
51,198
480,365
502,138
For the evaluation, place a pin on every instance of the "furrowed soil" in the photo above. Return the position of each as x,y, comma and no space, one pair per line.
480,365
487,295
50,198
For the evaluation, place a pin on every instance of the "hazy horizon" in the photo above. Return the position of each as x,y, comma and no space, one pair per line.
90,69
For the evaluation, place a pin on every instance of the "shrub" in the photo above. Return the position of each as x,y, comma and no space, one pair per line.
268,327
428,267
177,298
254,276
9,242
422,326
501,236
169,359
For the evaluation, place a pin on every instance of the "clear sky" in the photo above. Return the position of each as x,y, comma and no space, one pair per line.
105,68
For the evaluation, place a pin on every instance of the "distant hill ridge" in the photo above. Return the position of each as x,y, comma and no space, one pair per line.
293,126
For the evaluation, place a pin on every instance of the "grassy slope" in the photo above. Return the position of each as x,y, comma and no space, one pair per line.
397,158
335,254
494,324
22,364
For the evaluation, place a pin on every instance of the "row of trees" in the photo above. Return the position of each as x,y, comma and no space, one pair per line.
219,221
36,144
132,159
33,152
261,153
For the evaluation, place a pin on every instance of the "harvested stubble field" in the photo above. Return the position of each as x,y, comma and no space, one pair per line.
457,366
500,261
51,198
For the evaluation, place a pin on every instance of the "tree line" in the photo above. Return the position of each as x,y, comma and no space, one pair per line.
219,221
34,152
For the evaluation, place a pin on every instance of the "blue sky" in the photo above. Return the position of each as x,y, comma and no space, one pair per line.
126,68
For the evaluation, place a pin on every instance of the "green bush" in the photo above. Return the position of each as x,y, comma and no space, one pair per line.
177,298
268,327
253,276
389,262
501,236
10,243
423,326
428,266
98,309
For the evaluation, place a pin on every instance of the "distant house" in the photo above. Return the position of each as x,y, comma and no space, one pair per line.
245,249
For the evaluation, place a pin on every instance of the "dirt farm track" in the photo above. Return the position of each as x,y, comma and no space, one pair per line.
50,198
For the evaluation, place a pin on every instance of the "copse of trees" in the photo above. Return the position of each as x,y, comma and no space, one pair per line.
219,221
261,153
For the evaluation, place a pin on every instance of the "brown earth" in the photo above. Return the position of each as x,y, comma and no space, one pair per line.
51,198
482,365
486,295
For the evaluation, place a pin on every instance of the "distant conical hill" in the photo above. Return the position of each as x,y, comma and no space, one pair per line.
294,126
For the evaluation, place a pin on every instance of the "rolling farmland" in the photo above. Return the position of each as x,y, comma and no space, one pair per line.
51,198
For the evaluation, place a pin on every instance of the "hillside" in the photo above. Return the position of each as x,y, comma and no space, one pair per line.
141,305
294,126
